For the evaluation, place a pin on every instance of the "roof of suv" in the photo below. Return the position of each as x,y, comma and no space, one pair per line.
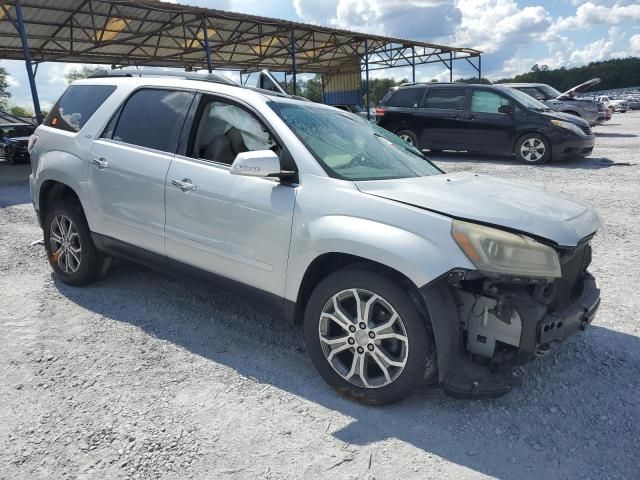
523,84
191,83
447,85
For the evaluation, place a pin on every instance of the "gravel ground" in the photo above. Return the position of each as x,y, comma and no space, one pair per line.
140,376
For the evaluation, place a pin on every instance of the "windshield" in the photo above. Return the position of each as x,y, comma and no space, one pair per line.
12,131
527,100
549,91
351,148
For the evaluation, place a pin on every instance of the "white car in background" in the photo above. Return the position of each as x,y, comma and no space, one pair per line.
615,105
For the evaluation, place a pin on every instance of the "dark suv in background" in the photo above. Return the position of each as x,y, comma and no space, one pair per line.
483,118
14,138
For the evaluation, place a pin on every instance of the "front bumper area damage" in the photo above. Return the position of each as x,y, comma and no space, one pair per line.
506,322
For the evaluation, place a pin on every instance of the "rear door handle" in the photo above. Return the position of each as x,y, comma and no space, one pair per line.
184,185
101,163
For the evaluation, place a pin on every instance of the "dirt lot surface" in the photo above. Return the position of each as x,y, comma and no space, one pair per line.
141,376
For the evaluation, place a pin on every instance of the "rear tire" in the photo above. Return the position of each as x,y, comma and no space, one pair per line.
533,148
70,249
9,156
392,328
409,137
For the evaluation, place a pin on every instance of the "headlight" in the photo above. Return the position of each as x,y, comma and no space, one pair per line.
495,251
569,126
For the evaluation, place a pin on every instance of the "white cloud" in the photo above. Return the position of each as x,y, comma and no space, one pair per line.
491,25
634,45
589,14
417,19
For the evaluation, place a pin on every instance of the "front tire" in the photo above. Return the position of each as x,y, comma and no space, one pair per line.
533,148
9,156
70,249
367,338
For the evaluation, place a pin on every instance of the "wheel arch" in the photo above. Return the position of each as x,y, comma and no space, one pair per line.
330,262
52,190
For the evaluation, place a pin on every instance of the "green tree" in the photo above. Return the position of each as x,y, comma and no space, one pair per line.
473,80
4,89
312,89
615,73
19,111
379,87
79,74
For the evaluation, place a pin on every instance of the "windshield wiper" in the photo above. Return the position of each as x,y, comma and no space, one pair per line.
413,150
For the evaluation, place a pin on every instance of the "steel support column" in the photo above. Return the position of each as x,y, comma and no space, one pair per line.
366,75
480,67
27,61
451,66
207,51
413,64
293,62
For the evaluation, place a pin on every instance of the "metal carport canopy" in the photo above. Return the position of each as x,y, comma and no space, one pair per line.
150,32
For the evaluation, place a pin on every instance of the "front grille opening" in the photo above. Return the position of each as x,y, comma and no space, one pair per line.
569,287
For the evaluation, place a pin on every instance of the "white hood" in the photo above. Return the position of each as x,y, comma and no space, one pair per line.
493,201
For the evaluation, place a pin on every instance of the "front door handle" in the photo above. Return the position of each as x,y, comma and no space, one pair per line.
184,185
101,163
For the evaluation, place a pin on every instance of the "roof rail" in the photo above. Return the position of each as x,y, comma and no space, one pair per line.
409,84
209,77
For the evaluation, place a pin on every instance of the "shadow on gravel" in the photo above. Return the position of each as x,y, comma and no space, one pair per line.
587,163
14,194
616,135
563,420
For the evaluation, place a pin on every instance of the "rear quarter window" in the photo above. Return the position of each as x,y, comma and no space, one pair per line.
77,105
405,97
445,98
153,118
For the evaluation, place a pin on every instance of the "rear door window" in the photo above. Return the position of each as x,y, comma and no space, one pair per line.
77,105
405,97
445,98
487,102
153,118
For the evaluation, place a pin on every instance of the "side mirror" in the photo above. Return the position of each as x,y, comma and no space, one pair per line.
260,163
540,96
504,109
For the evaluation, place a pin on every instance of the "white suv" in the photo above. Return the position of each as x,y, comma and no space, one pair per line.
399,273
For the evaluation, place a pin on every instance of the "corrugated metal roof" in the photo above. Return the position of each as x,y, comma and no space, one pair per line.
150,32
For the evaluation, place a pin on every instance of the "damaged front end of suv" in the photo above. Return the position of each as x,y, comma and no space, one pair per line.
524,296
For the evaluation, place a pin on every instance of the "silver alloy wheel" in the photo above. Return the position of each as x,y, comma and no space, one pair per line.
407,139
363,338
65,244
532,149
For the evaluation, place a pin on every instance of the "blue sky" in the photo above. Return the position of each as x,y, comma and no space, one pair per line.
514,34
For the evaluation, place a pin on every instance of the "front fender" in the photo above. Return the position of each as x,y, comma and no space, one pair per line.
419,259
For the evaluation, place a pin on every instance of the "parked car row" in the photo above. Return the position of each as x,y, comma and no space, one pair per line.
495,119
